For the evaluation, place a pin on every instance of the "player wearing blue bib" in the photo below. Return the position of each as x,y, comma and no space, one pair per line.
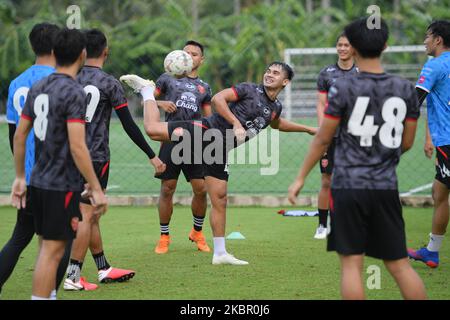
41,40
434,84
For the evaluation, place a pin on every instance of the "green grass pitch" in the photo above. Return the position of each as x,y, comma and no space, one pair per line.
285,261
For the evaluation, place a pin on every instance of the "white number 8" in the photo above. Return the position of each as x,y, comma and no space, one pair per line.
41,111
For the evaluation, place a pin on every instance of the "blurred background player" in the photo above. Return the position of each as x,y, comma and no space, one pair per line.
341,70
186,98
41,39
56,107
104,93
434,84
243,111
376,114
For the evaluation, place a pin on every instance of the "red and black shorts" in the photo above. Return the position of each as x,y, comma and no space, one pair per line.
443,165
327,160
56,213
367,222
102,172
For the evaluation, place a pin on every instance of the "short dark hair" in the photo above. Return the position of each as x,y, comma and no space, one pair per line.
341,35
96,43
285,67
42,38
195,43
441,28
369,43
69,44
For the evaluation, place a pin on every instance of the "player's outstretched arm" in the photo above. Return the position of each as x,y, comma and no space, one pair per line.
288,126
317,148
19,187
220,102
82,159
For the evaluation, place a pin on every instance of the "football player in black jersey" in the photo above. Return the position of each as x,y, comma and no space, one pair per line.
375,114
242,112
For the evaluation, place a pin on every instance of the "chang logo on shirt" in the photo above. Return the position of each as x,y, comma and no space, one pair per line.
187,101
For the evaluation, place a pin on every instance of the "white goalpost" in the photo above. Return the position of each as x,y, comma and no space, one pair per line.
299,97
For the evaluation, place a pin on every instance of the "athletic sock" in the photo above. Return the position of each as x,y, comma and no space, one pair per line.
219,246
100,261
198,222
164,227
323,216
74,270
435,242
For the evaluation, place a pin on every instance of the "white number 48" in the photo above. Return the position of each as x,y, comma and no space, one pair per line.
390,133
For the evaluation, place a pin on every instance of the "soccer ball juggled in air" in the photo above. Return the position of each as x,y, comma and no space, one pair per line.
178,63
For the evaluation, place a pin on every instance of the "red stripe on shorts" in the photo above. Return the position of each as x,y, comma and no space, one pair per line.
443,153
68,198
104,169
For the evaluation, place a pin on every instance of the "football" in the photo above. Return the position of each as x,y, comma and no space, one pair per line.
178,63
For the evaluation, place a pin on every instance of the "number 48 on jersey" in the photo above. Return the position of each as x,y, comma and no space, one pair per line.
390,132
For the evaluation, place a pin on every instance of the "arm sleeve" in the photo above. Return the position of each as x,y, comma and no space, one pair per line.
335,107
76,106
322,85
161,85
243,90
413,105
11,113
133,131
12,130
421,95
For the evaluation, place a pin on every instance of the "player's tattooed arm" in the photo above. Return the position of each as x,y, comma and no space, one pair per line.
288,126
220,102
12,131
317,148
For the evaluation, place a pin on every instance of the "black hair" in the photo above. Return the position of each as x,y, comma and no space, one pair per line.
69,44
285,67
341,35
369,43
441,28
195,43
96,43
42,38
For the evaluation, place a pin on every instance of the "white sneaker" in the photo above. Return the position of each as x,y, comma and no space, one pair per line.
227,259
72,286
321,232
136,83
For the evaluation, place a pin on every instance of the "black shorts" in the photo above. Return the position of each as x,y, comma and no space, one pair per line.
191,170
56,213
443,165
102,172
367,222
216,166
327,160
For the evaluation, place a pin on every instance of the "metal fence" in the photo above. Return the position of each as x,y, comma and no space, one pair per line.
131,173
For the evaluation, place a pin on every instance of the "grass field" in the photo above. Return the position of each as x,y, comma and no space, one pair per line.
131,174
286,263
